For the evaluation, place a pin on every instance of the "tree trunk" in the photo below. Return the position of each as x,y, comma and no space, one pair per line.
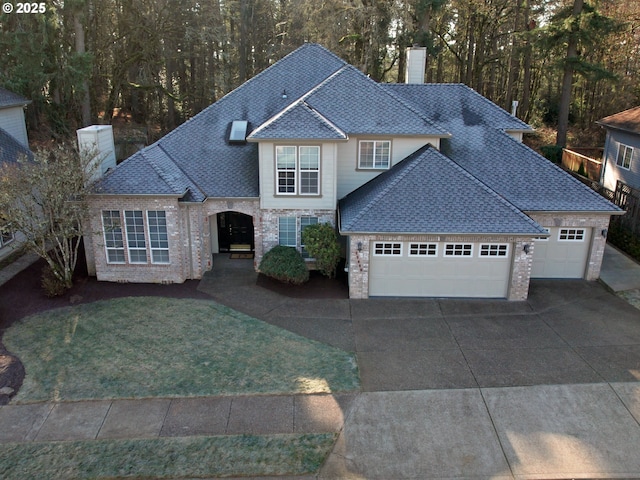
78,28
567,79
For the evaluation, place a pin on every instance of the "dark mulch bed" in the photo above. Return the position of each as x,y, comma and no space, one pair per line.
318,286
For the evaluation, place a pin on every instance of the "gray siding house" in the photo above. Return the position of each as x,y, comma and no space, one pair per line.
621,156
14,144
429,187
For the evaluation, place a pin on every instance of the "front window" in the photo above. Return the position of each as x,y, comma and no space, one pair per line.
113,239
374,154
624,156
287,231
298,170
158,237
135,236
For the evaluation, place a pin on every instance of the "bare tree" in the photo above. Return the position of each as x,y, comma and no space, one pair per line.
44,199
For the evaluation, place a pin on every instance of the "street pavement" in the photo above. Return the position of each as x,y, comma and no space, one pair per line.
547,388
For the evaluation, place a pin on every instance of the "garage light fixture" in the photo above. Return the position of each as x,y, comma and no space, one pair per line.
604,232
526,248
359,246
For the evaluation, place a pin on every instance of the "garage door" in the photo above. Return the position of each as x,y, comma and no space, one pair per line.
409,269
563,255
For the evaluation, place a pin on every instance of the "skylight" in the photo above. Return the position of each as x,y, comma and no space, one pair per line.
238,131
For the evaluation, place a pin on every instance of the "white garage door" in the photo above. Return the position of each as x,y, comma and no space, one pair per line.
563,255
410,269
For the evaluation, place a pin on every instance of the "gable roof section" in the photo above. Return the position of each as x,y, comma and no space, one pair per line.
429,193
298,121
510,168
11,149
628,121
10,99
200,146
358,105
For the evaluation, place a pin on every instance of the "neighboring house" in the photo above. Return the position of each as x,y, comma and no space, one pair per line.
14,144
430,188
621,157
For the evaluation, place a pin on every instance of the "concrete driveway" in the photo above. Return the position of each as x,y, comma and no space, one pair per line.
547,388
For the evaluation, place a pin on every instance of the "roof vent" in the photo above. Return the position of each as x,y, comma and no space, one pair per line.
238,132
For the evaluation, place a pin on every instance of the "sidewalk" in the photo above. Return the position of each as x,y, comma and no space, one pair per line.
621,274
173,417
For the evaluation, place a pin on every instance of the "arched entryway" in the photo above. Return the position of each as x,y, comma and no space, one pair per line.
233,231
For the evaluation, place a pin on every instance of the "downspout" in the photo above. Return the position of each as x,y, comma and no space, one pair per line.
189,243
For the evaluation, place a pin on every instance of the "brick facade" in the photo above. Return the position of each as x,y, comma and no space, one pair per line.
269,222
190,242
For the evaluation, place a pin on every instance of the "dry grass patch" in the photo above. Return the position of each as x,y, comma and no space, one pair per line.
160,347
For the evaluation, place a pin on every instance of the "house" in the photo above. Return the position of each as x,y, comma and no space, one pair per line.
429,186
14,144
621,157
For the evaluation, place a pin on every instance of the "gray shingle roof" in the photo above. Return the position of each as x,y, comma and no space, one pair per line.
358,105
299,121
11,149
10,99
524,178
200,146
429,193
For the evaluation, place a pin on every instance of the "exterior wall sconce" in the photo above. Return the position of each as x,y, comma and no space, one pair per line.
526,248
359,246
604,232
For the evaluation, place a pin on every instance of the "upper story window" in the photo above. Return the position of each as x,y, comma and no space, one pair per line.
374,154
298,170
624,156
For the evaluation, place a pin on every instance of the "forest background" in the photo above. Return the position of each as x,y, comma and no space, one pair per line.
149,65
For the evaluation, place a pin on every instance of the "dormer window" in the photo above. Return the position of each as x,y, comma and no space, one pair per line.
238,133
298,170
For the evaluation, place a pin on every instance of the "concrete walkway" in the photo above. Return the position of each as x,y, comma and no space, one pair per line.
177,417
547,388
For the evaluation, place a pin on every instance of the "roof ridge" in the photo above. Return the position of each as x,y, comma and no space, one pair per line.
243,86
187,176
325,120
161,173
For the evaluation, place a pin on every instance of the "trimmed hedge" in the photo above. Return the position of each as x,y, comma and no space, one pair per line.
321,241
284,264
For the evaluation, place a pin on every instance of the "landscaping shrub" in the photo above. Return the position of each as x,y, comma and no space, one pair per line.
321,241
285,264
552,152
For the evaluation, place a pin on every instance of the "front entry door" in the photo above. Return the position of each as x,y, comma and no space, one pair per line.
235,232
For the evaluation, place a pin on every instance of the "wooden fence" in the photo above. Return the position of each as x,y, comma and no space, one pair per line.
586,159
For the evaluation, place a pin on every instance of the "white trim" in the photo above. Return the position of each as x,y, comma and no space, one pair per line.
572,234
373,166
626,147
463,249
493,250
422,249
104,236
384,247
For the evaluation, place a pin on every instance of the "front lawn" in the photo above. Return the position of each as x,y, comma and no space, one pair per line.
161,347
167,458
